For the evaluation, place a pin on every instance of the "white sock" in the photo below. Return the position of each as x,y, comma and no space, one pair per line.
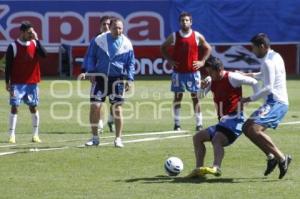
282,160
12,123
270,156
35,123
177,116
110,118
100,124
198,117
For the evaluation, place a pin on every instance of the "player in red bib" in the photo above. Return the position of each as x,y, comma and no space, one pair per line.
227,93
22,73
186,63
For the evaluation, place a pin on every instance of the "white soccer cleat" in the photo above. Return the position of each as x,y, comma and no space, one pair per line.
118,143
92,142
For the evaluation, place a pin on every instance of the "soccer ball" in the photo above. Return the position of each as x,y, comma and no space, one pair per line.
173,166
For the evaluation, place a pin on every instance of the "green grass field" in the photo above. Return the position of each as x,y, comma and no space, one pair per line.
60,169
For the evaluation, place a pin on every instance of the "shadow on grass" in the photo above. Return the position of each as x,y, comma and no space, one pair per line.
167,179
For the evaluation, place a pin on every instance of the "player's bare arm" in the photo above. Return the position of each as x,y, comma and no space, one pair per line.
207,51
42,52
34,35
164,50
128,86
256,75
8,64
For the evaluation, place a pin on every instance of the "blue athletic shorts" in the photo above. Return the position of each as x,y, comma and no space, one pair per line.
113,87
269,114
28,93
229,125
186,81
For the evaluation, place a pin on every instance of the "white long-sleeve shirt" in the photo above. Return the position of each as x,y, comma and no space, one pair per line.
273,75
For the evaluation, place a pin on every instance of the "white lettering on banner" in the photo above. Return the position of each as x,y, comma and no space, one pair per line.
147,28
143,27
3,11
145,66
238,57
93,22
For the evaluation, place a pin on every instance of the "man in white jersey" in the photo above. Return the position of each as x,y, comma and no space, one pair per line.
274,91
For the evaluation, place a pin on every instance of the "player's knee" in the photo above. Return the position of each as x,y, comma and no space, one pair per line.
250,130
217,141
245,128
199,138
32,109
14,110
178,97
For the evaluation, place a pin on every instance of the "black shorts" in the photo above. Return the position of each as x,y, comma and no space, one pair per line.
228,133
113,87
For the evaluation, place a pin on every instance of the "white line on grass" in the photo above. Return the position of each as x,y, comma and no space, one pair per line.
156,138
101,144
140,134
8,153
290,123
48,149
9,145
104,137
33,150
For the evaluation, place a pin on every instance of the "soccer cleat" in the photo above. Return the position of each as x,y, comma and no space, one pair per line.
196,173
177,128
199,128
110,126
12,139
211,170
92,142
271,164
118,143
283,166
36,139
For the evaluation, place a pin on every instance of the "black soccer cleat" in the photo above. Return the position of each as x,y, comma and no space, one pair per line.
271,164
283,166
199,128
110,126
177,128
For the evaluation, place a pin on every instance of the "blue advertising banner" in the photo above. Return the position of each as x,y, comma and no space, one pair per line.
75,22
231,21
149,22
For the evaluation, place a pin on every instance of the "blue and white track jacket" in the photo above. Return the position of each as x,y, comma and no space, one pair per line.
98,59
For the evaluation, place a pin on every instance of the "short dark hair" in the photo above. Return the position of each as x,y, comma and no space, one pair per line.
114,20
261,39
185,14
214,63
104,18
25,25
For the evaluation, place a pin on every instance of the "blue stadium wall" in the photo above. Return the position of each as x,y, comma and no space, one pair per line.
147,23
